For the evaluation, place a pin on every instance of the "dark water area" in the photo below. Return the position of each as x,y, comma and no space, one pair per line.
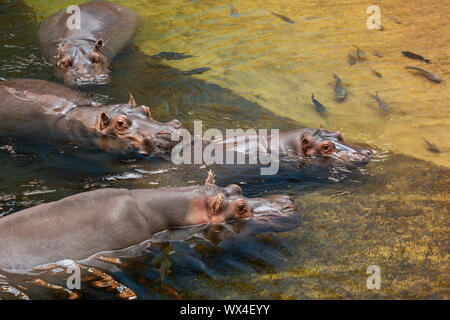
393,213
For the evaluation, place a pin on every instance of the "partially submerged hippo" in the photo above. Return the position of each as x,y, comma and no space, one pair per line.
53,114
321,146
301,147
84,224
81,56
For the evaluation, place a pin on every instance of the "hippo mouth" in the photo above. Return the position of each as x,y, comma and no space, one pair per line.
160,145
274,214
88,80
348,156
164,145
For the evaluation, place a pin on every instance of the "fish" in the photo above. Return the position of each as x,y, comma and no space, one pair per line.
351,59
432,76
415,56
195,71
379,55
339,91
284,18
396,20
381,103
171,56
359,53
379,26
432,147
319,107
379,75
234,12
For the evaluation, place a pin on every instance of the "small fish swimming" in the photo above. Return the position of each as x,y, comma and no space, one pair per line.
339,91
396,20
234,12
195,71
351,59
171,56
319,107
432,147
359,53
377,54
379,26
284,18
379,75
432,76
381,103
415,56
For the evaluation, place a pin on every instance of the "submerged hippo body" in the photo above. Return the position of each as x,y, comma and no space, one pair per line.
53,114
82,56
307,147
84,224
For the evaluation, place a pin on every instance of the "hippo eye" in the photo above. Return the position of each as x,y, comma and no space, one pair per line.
327,147
241,207
121,123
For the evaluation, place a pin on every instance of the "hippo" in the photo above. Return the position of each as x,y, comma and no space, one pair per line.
53,114
88,223
307,147
82,55
318,145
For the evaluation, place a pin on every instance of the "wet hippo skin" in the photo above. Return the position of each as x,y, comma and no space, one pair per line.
53,114
81,225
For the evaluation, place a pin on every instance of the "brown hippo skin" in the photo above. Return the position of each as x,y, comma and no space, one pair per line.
81,56
306,146
53,114
84,224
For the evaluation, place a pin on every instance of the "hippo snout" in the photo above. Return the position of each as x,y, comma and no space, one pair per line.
176,124
279,205
169,128
74,78
366,154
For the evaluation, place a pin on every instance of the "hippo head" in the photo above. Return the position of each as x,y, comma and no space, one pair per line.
82,63
128,128
324,147
217,213
213,204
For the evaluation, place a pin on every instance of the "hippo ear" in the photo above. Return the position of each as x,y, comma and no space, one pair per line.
102,121
147,111
210,178
216,203
132,101
99,44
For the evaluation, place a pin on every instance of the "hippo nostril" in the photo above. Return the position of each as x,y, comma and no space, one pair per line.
176,123
367,154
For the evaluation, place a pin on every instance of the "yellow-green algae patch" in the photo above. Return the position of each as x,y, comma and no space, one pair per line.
279,65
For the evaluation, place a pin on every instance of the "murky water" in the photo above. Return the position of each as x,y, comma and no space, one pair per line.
394,213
